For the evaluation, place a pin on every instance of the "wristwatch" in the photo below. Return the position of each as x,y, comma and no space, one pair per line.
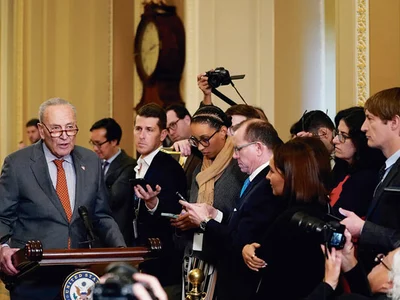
204,223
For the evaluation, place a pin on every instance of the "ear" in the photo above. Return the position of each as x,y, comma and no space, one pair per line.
322,131
41,130
262,149
163,134
395,123
386,287
114,143
187,119
223,131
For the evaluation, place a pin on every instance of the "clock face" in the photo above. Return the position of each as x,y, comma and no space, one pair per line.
149,48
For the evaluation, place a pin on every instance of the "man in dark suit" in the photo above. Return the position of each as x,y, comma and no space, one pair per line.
166,176
41,188
178,127
255,210
380,232
118,168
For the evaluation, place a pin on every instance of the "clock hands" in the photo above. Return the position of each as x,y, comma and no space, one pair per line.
147,50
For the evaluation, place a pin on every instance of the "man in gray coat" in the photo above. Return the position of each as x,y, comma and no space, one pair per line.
41,188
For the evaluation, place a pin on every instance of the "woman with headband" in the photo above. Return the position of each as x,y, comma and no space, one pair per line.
217,182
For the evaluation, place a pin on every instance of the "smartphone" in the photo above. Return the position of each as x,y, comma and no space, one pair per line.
330,217
142,182
170,216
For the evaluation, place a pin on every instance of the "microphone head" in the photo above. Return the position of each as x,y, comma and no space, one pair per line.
82,210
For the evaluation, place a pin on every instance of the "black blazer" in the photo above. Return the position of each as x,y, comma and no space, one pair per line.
121,193
169,175
254,212
293,256
381,232
357,192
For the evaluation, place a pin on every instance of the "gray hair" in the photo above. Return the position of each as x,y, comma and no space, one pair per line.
52,102
394,276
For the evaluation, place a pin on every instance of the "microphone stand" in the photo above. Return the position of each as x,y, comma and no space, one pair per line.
83,213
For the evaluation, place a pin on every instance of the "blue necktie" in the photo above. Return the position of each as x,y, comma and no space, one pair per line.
245,185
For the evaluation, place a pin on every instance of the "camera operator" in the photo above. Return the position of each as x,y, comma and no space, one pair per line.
123,281
152,282
338,260
238,112
382,283
202,82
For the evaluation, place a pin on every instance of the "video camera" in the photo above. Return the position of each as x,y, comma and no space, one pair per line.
118,285
330,232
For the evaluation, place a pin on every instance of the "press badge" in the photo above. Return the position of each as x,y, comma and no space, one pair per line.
198,241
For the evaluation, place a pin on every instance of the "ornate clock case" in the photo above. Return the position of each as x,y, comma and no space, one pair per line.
160,54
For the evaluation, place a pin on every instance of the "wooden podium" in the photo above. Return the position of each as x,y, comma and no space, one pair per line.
33,255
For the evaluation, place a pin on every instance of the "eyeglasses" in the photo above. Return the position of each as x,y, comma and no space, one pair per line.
342,137
96,144
379,259
56,133
237,149
173,125
205,142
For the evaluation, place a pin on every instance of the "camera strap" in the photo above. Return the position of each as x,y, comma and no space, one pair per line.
223,97
329,209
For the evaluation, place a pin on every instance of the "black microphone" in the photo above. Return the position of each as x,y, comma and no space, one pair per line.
83,212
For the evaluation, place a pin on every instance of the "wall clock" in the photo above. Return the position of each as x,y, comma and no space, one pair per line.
159,53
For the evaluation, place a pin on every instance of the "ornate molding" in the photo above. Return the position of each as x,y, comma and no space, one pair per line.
19,61
110,57
362,51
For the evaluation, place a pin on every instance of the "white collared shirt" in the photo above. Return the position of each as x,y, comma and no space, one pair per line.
258,170
143,164
390,162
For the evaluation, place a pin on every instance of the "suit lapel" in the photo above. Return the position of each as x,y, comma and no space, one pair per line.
381,187
41,172
154,165
115,166
80,172
260,176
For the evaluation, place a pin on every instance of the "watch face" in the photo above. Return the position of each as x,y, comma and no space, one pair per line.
149,48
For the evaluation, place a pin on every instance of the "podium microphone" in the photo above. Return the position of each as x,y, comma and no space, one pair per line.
83,213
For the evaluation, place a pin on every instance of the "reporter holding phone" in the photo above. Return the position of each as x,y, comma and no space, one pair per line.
255,209
216,181
165,177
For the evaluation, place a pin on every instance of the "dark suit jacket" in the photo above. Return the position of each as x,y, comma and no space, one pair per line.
121,193
254,212
169,175
293,255
31,210
381,232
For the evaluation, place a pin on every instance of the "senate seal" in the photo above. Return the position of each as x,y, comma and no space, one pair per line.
79,285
